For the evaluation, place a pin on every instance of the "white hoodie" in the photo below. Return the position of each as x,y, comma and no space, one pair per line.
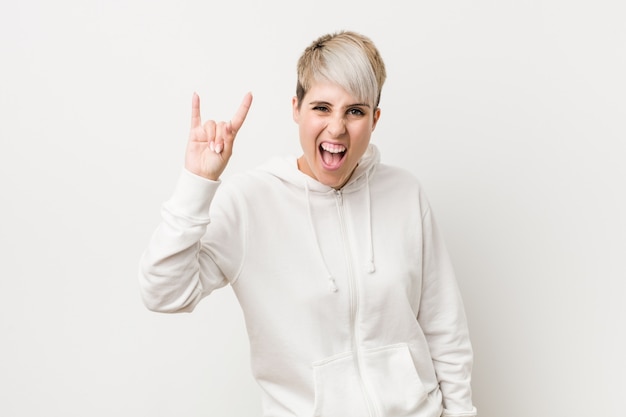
349,297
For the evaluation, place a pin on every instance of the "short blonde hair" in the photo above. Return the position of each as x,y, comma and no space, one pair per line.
346,58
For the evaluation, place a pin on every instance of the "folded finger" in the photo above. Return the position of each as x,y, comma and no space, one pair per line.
221,136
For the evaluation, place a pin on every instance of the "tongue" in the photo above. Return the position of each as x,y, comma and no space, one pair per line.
331,159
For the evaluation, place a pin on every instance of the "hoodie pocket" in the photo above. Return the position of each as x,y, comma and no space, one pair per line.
338,390
389,380
391,374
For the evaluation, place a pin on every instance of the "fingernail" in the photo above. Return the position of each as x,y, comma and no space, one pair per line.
218,148
212,146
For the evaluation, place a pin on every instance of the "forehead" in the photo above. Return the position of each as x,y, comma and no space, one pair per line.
329,92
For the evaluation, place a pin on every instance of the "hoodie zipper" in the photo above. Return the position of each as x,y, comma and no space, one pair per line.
354,307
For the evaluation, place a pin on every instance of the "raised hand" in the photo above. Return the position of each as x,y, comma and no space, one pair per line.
210,144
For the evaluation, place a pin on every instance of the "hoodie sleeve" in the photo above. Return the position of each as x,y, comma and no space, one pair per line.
442,317
179,268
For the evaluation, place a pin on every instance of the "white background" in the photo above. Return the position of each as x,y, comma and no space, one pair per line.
512,114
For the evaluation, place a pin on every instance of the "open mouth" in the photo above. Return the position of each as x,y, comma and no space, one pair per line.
332,154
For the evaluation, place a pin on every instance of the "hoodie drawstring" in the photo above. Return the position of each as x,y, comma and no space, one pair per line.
332,285
371,266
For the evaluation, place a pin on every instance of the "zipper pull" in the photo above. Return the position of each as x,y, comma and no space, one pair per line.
339,197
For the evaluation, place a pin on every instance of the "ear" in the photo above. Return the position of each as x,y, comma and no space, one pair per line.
295,109
376,117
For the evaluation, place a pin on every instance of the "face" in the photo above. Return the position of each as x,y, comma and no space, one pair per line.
335,130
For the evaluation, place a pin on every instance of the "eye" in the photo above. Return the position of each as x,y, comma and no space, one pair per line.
355,111
321,108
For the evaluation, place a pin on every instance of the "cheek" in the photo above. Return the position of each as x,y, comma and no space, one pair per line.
361,133
305,133
307,137
310,128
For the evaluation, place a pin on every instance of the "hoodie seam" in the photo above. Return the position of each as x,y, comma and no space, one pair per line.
426,212
244,221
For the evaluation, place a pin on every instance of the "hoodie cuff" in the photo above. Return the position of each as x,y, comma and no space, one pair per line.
472,413
192,196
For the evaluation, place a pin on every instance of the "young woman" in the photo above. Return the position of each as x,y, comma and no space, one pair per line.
349,297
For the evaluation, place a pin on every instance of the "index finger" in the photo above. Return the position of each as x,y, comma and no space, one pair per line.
195,111
242,112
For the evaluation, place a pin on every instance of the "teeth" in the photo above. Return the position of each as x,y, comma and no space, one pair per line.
332,148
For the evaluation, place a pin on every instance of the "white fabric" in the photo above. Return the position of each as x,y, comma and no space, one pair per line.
389,339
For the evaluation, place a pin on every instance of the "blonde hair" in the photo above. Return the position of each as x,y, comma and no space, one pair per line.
346,58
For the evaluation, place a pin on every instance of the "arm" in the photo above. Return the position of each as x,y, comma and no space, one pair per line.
442,317
178,268
170,279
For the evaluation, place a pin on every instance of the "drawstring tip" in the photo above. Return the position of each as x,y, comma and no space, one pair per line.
371,268
332,286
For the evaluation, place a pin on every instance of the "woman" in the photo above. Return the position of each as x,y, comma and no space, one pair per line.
348,294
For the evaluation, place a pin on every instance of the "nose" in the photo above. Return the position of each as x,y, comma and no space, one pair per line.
336,126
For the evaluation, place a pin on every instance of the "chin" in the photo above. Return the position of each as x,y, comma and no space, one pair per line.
333,182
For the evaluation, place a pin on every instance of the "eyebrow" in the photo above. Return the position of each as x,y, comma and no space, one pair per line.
330,105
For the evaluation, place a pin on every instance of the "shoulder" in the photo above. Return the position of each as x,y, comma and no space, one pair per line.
253,185
395,177
398,185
